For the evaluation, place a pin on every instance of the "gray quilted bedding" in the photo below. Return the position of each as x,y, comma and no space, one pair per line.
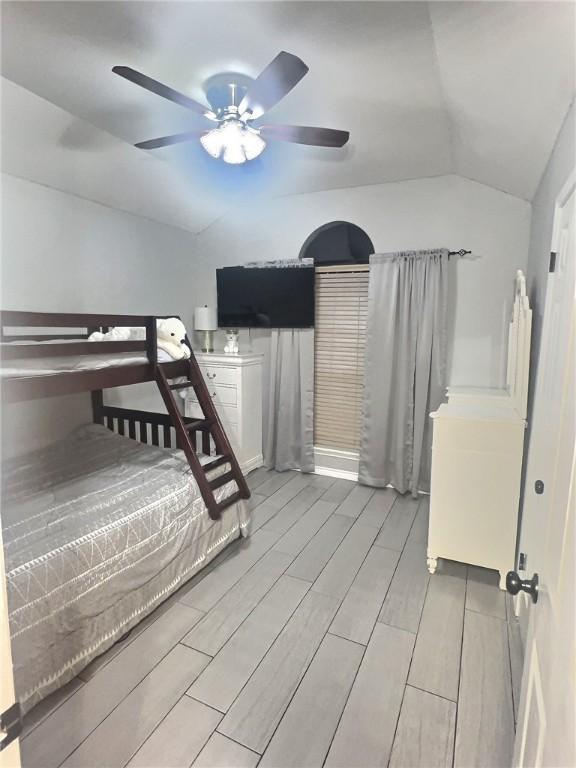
98,530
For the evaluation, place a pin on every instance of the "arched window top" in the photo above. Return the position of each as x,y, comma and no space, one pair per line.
338,242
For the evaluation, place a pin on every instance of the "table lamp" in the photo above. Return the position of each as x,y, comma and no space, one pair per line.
205,319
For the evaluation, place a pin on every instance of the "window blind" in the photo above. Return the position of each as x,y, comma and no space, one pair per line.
340,344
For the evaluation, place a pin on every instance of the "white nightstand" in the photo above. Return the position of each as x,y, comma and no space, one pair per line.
235,383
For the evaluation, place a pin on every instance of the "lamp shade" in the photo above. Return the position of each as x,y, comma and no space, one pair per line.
205,319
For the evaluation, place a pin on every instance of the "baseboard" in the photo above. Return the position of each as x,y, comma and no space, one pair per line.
336,463
341,474
253,463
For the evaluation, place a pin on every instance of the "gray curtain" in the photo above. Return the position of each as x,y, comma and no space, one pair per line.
289,401
405,374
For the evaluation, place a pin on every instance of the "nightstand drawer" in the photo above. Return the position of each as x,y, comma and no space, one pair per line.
228,413
219,374
220,394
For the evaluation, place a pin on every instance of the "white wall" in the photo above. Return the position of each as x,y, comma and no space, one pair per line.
61,253
561,163
444,211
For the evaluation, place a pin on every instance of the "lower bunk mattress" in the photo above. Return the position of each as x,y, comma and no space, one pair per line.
98,530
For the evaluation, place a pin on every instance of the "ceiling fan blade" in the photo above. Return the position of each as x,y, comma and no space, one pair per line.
305,134
162,90
272,84
165,141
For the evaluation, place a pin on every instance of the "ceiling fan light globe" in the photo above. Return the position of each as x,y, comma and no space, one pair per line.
234,154
253,144
234,142
212,142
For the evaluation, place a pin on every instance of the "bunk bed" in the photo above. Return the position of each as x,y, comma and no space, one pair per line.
103,526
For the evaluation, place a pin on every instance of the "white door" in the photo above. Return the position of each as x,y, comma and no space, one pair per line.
9,757
545,734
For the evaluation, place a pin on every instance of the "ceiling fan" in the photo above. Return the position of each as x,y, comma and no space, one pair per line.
235,108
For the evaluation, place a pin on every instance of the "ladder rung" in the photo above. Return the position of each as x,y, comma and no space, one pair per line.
221,480
229,500
202,424
215,463
182,385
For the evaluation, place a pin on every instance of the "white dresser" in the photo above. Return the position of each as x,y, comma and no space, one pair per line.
235,384
477,448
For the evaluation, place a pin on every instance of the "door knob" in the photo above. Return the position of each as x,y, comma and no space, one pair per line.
514,584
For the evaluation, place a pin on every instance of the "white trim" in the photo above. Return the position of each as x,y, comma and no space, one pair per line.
342,474
220,358
336,463
253,463
561,199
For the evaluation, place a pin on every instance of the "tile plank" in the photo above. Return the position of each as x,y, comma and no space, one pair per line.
204,595
232,548
398,523
405,598
419,532
293,511
358,613
485,728
229,671
436,662
105,658
425,735
258,476
49,705
345,563
221,752
294,540
314,711
219,624
320,549
483,593
356,500
254,501
340,490
179,738
54,739
516,653
366,731
263,513
320,481
253,717
289,490
124,731
275,482
378,507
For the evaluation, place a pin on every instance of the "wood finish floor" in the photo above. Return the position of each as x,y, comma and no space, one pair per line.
320,640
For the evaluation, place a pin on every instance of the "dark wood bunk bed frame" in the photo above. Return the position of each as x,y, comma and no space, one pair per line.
191,434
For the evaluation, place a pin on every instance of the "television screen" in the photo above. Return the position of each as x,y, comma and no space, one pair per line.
267,297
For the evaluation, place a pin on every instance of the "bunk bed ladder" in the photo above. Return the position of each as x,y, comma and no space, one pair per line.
209,427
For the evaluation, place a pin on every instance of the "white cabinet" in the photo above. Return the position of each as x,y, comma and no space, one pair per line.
475,488
477,447
235,385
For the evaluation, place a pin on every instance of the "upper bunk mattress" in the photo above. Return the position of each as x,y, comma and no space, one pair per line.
98,529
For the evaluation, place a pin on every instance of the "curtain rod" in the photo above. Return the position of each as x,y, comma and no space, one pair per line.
459,253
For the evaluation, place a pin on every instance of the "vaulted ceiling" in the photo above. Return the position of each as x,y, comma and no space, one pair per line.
478,89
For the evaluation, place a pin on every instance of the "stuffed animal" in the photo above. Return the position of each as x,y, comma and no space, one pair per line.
114,334
171,335
231,347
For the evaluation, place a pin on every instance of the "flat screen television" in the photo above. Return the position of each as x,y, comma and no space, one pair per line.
267,297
